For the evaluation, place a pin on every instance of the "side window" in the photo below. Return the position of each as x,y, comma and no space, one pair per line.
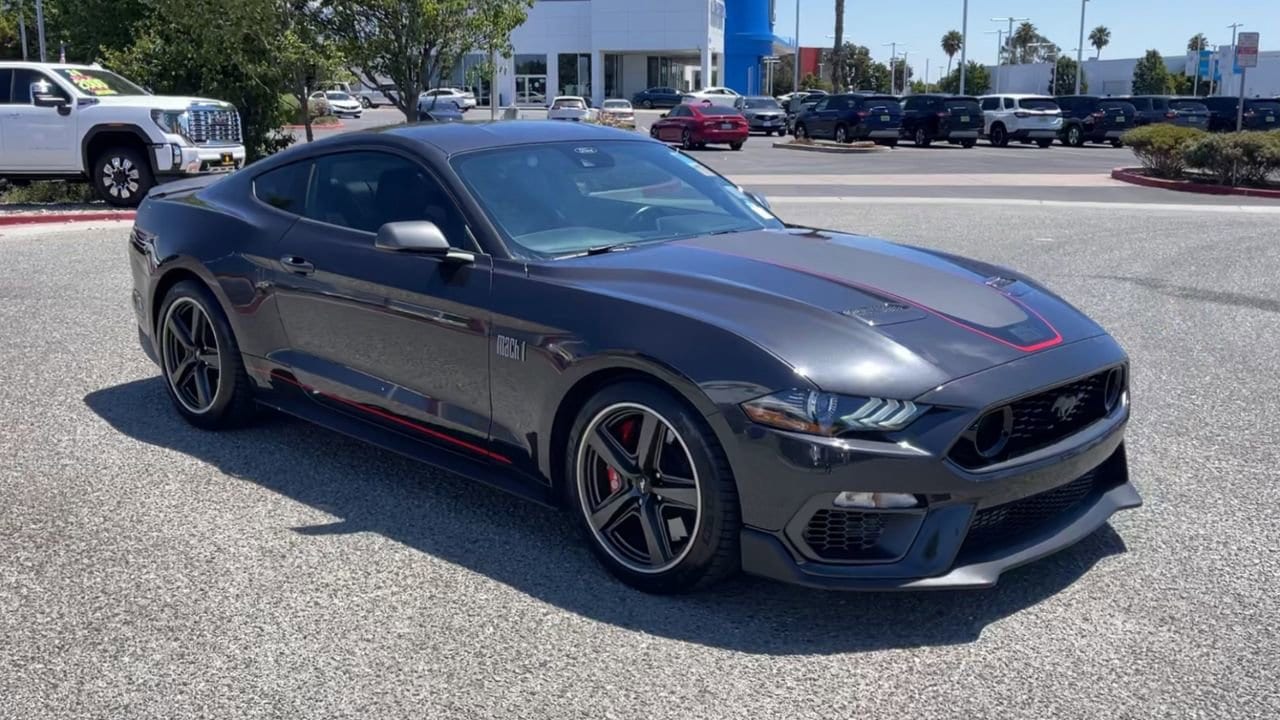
22,80
285,187
678,111
366,190
822,105
6,82
990,103
1008,103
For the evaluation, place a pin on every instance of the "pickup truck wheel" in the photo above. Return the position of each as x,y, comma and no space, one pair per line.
121,176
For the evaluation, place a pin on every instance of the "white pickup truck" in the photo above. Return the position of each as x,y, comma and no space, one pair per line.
81,122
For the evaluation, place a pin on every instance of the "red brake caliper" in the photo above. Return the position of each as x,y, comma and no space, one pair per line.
626,430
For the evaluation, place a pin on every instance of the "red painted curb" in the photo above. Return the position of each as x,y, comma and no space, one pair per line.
335,126
35,219
1134,176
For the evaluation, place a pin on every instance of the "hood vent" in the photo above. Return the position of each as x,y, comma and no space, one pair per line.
885,313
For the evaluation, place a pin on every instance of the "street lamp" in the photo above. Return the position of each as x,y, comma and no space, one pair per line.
795,87
893,75
964,42
1080,49
999,51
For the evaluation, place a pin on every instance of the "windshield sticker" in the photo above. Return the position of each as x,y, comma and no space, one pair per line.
90,85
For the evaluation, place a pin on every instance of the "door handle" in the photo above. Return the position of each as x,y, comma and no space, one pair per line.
297,265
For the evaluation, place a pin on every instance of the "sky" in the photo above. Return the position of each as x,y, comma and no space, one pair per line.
1136,25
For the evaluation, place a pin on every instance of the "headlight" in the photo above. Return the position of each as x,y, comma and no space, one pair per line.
820,413
171,121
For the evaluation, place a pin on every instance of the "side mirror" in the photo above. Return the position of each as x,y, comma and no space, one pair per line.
418,236
42,96
760,199
663,115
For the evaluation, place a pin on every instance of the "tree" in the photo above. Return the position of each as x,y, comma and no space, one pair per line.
1022,41
860,71
1099,38
1063,79
813,82
417,43
784,74
306,55
951,44
491,24
977,80
1151,75
837,50
91,27
182,48
1197,43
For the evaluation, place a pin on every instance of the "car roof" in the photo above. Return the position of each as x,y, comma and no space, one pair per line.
465,137
568,97
48,66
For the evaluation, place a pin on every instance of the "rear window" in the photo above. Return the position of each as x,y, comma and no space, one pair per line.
569,105
717,110
965,104
881,101
1116,105
1263,106
1188,106
1037,104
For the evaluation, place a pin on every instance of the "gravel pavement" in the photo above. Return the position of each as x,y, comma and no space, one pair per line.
150,570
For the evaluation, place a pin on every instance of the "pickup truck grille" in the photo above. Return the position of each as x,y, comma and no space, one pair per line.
215,126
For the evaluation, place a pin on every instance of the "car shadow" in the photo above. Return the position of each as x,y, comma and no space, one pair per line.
534,550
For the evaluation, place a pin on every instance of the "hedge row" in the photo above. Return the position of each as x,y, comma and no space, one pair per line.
1243,158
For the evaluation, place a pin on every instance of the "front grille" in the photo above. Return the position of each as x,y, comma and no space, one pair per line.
1003,524
844,534
216,126
1038,421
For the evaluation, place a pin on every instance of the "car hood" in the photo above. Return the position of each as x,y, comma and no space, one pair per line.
161,102
852,314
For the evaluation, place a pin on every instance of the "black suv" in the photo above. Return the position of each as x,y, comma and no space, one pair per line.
956,119
1259,113
849,117
1094,119
1180,111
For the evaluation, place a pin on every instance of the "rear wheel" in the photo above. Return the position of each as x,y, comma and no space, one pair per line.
203,370
686,139
999,136
366,103
842,134
121,176
968,143
922,138
1117,143
1044,143
801,131
735,146
1075,136
647,104
652,490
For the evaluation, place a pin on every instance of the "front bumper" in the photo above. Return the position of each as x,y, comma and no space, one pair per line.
170,159
968,527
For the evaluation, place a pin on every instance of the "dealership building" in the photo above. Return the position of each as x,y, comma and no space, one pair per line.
615,48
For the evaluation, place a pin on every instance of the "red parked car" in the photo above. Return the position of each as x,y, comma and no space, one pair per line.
695,126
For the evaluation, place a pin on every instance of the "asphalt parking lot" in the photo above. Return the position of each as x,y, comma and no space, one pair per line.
150,570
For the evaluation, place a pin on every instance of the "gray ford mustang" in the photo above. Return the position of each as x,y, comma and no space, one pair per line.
590,319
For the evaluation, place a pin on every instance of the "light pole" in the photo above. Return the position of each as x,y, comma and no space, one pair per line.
1234,27
964,42
795,86
1080,48
893,75
40,27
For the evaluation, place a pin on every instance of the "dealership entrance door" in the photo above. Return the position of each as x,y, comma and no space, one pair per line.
531,89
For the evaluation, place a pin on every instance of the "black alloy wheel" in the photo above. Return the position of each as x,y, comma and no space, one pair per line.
842,135
686,139
999,136
647,104
922,138
203,370
652,490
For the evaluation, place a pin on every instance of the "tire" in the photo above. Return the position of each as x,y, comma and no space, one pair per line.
968,143
999,136
842,134
1044,143
653,132
366,103
686,140
686,448
801,132
647,104
922,138
226,400
1117,143
735,146
121,176
1075,136
888,143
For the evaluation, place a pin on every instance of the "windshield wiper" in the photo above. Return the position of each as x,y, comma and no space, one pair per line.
602,249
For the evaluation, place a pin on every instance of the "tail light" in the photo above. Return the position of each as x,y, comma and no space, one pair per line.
1249,113
1170,115
709,123
863,113
1099,114
944,114
1021,114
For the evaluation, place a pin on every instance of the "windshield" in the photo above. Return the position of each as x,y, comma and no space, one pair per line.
617,105
761,103
559,199
335,95
99,83
1037,104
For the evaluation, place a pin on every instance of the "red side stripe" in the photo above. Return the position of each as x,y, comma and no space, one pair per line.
398,420
1056,339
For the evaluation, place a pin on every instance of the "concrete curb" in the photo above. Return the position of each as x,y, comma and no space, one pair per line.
64,217
832,148
1134,176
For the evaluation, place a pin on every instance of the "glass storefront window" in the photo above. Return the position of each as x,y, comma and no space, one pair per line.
612,76
531,64
575,74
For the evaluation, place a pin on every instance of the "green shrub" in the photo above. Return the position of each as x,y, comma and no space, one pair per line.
1159,147
47,193
1243,158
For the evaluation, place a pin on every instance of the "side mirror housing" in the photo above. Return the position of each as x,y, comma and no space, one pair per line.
418,236
42,95
663,115
762,200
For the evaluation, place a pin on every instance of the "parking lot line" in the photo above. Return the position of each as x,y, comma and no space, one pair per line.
937,180
1002,202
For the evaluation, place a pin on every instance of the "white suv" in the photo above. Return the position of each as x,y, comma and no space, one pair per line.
1027,118
77,122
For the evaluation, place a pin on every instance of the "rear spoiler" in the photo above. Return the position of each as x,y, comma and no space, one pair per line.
190,184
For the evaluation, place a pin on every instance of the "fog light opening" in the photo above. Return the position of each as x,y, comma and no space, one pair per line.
1114,389
875,500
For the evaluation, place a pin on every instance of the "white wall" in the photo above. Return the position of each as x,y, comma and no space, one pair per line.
1115,77
653,25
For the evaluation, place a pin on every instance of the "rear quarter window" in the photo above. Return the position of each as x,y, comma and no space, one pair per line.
284,188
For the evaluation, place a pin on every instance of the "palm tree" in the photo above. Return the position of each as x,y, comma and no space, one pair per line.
951,43
1100,37
1020,44
1197,43
837,54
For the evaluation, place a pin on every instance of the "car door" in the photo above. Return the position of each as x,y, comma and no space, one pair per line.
6,82
395,338
675,122
816,120
990,108
40,139
911,113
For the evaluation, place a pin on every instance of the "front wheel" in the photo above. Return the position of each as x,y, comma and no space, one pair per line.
968,143
999,136
366,103
121,176
647,104
1075,136
686,140
652,490
922,138
801,132
203,370
1117,143
735,146
1044,143
842,134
